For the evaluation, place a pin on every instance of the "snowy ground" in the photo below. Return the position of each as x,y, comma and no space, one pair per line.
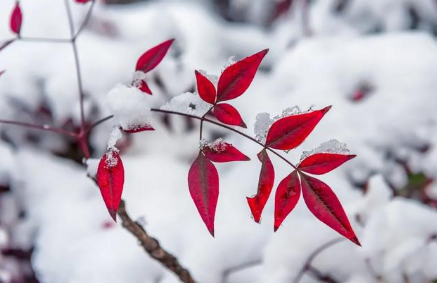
53,207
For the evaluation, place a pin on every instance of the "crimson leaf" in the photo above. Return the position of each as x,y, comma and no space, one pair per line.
203,182
265,185
227,114
289,132
205,88
16,19
224,152
144,87
236,79
324,204
110,178
82,1
152,57
321,163
287,196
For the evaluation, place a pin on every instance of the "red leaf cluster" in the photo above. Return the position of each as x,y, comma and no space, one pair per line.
233,82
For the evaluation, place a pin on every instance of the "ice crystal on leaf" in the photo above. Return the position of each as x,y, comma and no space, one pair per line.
331,146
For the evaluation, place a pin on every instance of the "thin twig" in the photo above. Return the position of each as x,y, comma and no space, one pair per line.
240,267
307,265
46,40
85,21
39,127
211,122
152,246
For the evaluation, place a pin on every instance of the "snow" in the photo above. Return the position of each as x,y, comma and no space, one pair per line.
50,204
217,146
129,106
188,103
331,146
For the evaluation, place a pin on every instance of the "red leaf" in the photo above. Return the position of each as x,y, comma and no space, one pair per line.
152,57
139,129
110,178
203,181
287,196
289,132
324,204
321,163
16,18
236,79
144,87
227,114
265,185
205,88
82,1
224,152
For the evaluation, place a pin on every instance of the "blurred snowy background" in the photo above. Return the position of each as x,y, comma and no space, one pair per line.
375,61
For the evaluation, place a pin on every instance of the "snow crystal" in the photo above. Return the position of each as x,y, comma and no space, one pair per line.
331,146
137,77
218,145
130,107
262,125
114,137
188,103
231,61
111,158
212,78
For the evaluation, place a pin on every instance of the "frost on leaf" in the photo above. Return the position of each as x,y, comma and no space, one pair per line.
265,185
16,19
220,151
236,78
325,158
188,103
287,196
227,114
152,57
324,204
203,182
110,178
290,131
130,108
262,125
139,81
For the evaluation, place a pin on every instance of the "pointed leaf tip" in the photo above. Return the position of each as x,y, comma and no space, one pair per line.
16,19
289,132
152,57
223,152
205,88
286,198
324,204
203,183
110,178
265,185
236,78
322,163
227,114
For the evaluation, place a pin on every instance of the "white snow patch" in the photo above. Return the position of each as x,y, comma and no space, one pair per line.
188,103
331,146
130,107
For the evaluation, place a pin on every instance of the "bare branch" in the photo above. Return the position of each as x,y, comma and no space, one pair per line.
152,246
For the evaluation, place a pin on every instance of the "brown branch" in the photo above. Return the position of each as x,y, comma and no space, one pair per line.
152,246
